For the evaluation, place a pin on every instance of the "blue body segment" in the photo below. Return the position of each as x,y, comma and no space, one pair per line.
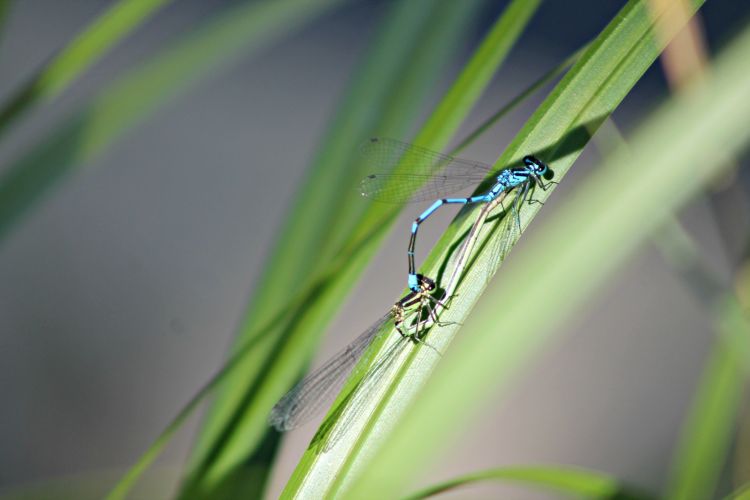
456,174
506,180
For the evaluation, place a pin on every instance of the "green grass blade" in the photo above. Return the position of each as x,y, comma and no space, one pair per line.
314,476
237,31
86,49
442,37
475,77
388,78
708,433
124,486
545,79
585,240
576,482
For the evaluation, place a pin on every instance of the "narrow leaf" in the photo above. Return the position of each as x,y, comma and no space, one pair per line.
384,96
321,475
707,436
237,31
579,483
71,62
608,215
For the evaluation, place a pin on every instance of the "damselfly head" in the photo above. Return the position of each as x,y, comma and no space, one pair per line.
538,167
426,283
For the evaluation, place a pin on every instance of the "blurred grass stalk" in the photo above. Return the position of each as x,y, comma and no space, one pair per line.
569,481
241,30
90,45
704,443
690,138
413,45
706,437
313,478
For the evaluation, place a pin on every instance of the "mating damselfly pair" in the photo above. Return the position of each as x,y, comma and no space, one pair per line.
420,175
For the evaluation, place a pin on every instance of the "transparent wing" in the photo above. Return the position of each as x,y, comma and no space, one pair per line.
361,395
503,242
431,175
318,389
508,230
500,232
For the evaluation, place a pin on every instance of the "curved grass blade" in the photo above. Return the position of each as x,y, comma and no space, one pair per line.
81,137
253,342
611,213
293,257
237,421
317,390
707,435
81,53
239,30
580,483
313,476
545,79
129,480
444,34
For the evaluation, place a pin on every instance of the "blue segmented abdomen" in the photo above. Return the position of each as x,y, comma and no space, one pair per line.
427,213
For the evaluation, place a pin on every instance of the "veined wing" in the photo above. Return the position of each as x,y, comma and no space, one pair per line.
318,389
490,234
361,395
428,174
505,231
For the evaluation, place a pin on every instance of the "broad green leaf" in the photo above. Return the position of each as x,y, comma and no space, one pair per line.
236,31
576,482
585,240
410,50
82,52
707,435
322,475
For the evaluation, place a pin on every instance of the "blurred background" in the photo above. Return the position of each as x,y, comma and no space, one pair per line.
121,291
